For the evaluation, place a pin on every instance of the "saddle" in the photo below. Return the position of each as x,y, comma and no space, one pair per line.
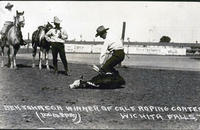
4,32
6,27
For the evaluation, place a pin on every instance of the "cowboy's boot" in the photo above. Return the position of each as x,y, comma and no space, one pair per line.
67,72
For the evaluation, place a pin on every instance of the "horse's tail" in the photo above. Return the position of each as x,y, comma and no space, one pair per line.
34,37
34,42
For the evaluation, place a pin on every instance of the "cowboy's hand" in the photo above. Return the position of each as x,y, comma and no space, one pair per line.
48,39
60,36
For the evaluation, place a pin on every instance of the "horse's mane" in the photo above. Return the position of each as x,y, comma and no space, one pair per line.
40,27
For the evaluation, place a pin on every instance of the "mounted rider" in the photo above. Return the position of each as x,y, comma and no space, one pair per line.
9,18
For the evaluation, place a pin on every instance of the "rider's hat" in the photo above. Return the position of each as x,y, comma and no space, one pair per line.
101,30
8,6
56,20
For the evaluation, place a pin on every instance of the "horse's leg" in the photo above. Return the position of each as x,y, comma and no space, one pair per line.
2,54
14,62
47,59
8,53
34,54
11,56
40,59
14,57
43,55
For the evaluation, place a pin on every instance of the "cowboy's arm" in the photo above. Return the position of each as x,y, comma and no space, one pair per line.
63,35
103,52
48,35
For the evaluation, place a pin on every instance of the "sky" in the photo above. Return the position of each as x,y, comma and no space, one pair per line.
145,21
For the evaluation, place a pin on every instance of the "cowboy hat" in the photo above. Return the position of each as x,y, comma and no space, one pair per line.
100,30
8,6
56,20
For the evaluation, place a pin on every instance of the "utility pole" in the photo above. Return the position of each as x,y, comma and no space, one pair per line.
122,38
28,43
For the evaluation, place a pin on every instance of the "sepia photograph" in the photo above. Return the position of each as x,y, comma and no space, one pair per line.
99,65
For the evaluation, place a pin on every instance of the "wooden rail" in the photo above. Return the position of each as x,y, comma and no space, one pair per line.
142,43
193,46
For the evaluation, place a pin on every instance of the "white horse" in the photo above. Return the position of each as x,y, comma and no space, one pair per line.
13,40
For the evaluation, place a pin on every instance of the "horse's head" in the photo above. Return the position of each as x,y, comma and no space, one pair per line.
19,19
48,26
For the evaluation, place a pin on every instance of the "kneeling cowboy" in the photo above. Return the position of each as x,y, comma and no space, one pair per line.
108,74
114,46
9,18
57,39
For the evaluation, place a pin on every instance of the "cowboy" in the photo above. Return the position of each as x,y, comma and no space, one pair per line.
108,76
57,37
8,17
113,46
10,12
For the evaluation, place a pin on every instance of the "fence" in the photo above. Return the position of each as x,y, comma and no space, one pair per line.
133,47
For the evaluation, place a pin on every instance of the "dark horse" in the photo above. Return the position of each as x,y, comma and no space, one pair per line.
12,40
38,40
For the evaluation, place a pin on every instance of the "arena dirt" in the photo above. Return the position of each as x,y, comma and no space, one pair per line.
144,87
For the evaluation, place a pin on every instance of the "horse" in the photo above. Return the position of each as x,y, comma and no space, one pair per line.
13,40
38,40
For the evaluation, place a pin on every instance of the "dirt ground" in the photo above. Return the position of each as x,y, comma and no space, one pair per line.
27,86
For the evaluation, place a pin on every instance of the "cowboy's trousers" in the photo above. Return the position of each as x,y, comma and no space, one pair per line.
59,48
116,58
